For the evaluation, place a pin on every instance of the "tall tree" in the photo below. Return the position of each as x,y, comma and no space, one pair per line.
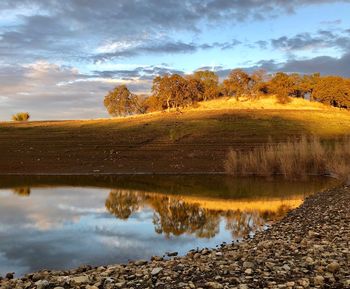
174,91
308,84
333,90
258,83
283,86
209,84
237,83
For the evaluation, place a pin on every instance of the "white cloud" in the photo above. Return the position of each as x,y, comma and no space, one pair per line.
117,46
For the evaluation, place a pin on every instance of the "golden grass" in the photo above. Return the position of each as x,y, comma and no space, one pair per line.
293,159
263,205
266,102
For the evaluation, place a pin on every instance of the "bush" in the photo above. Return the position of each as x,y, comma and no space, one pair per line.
21,116
293,159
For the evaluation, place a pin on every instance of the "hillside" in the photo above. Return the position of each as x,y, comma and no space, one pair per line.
194,140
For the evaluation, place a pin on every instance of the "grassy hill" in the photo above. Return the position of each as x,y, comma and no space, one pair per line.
194,140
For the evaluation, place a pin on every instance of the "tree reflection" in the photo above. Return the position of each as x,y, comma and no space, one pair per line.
175,215
243,223
123,203
22,191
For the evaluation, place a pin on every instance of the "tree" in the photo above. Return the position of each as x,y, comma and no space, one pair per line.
258,83
237,83
333,90
283,86
307,85
21,116
152,103
121,102
174,91
208,84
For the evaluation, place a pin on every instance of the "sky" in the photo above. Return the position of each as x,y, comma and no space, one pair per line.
58,59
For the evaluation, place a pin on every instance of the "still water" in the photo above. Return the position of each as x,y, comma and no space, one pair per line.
64,222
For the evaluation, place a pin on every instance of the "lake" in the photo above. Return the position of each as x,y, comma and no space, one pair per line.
64,222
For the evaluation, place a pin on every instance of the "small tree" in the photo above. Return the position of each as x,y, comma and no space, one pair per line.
121,102
21,116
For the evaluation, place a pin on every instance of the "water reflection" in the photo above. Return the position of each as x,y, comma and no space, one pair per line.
177,215
60,223
23,191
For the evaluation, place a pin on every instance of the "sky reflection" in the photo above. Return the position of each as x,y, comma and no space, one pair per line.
57,227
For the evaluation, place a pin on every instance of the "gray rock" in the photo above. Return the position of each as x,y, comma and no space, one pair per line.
42,284
80,279
156,271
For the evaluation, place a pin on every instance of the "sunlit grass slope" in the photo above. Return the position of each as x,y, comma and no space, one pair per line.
194,140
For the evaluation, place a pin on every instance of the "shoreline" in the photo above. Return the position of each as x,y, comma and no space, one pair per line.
115,174
308,248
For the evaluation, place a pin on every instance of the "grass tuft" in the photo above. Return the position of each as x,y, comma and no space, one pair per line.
293,159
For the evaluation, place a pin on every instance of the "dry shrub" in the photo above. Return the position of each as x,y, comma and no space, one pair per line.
293,159
339,161
21,116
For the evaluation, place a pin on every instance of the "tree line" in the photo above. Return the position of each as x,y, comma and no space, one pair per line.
174,91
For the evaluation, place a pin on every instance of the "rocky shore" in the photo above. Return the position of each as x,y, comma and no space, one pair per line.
309,248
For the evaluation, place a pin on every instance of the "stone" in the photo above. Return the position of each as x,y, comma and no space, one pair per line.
214,285
248,271
248,265
318,280
141,262
309,261
42,284
80,279
119,284
333,267
9,275
304,282
156,271
171,254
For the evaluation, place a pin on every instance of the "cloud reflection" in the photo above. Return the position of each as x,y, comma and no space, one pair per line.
64,227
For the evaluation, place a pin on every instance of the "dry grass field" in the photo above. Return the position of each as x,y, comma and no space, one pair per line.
194,140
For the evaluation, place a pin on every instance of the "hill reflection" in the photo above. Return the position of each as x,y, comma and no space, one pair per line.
177,215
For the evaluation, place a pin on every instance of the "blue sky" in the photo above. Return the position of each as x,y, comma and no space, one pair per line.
59,58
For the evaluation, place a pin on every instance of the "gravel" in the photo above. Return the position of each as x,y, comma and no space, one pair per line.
309,248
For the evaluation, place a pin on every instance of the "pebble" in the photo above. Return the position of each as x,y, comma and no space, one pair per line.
333,267
156,271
